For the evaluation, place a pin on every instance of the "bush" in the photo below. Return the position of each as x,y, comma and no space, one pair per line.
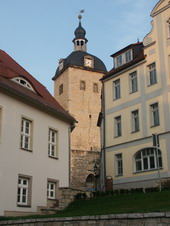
81,196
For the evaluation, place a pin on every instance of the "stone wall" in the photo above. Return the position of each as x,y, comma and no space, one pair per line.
82,164
137,219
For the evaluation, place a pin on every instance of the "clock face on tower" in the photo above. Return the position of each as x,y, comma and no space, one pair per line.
88,62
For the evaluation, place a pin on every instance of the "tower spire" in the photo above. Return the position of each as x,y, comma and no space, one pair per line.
80,40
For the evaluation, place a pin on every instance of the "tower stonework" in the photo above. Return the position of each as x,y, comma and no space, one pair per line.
77,88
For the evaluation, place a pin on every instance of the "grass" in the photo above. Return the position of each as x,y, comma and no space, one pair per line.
113,204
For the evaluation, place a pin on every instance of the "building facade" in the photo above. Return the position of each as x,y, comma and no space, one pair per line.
34,142
136,104
77,88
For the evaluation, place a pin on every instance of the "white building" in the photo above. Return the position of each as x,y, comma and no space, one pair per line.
34,142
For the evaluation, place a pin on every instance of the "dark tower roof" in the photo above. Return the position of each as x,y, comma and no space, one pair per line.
76,58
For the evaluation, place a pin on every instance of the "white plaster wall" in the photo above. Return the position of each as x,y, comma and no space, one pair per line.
14,161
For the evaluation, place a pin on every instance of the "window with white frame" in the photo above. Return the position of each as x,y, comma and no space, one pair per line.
118,126
154,114
148,159
168,28
133,82
135,120
23,82
52,143
123,58
51,190
116,89
119,164
128,56
24,191
26,134
152,74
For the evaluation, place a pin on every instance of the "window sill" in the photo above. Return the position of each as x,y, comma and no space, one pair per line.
133,92
146,171
121,175
25,206
152,84
52,199
116,99
52,157
26,149
118,136
154,126
136,131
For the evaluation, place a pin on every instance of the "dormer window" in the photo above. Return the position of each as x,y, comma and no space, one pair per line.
88,61
123,58
23,82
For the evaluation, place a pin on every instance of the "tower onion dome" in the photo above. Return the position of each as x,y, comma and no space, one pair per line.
80,32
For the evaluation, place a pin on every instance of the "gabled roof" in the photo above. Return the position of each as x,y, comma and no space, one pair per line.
40,99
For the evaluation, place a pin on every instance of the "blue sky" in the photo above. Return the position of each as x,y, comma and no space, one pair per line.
37,33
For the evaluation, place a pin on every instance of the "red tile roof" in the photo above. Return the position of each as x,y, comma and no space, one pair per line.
41,99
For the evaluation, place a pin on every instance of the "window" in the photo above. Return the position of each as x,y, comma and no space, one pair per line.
168,28
116,89
24,191
148,159
26,134
82,85
95,88
119,165
123,58
118,129
23,82
154,111
51,190
135,120
60,89
133,82
52,143
128,56
152,74
80,42
119,60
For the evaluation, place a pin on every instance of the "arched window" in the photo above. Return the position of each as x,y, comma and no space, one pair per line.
82,85
148,159
23,82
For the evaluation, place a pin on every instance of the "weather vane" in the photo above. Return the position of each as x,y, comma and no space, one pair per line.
80,13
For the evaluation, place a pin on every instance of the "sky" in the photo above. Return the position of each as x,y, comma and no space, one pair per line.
37,33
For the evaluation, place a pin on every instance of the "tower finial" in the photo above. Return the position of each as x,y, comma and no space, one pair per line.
80,14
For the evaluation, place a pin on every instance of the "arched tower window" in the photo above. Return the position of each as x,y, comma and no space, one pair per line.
82,85
147,159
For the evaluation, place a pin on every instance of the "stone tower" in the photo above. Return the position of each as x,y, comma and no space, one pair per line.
77,88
